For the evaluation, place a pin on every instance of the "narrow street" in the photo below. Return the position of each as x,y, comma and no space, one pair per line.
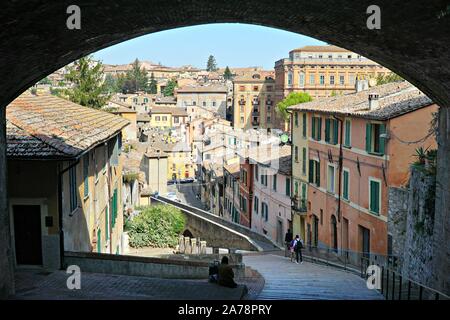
308,281
186,193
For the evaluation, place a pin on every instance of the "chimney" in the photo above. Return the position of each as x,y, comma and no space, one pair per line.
373,101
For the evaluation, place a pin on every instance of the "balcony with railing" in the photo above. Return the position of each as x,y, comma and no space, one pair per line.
298,205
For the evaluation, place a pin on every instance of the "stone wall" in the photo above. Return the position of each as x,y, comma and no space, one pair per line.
397,213
6,264
411,223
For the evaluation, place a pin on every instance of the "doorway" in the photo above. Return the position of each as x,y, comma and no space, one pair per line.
365,241
279,232
27,234
315,231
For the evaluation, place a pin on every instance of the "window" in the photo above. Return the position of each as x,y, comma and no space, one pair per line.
351,79
304,160
347,136
256,173
316,128
331,131
194,103
106,224
296,119
312,79
114,208
268,119
302,79
256,205
244,176
204,103
314,172
345,182
332,80
331,178
255,88
296,154
145,100
288,187
274,182
176,120
158,118
264,179
322,79
374,142
374,196
241,88
135,100
303,195
264,211
86,174
73,188
341,80
164,118
304,125
289,79
213,103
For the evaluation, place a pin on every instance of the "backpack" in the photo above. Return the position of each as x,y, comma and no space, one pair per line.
299,244
291,245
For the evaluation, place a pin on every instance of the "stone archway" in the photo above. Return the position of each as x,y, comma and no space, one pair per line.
413,42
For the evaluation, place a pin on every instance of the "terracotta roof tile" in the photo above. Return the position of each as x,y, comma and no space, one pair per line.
54,127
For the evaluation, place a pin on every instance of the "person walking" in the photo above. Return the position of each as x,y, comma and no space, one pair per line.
298,249
287,240
292,249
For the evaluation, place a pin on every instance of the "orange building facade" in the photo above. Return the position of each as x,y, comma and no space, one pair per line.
347,207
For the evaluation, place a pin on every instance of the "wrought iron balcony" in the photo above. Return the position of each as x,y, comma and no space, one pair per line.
298,206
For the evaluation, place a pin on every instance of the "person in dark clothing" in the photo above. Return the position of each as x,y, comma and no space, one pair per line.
287,240
226,274
298,249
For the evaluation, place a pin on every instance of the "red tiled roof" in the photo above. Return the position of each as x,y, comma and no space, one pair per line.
45,126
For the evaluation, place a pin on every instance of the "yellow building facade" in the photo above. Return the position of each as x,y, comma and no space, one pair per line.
254,97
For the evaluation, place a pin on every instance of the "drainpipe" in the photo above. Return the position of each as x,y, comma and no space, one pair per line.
60,212
341,126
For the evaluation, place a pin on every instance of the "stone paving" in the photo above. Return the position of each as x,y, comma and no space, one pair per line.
40,285
285,280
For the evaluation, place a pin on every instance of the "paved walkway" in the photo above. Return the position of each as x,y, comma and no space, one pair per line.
289,281
38,285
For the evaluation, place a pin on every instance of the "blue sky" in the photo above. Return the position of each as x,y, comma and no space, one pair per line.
237,45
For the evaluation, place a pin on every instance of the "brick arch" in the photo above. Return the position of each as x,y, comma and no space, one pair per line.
412,41
188,233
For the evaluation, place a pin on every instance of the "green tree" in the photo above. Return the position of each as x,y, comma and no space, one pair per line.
86,77
156,226
211,65
135,79
170,87
46,80
111,84
293,98
227,75
388,78
153,86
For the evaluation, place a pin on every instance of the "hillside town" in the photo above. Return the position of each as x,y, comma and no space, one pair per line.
217,140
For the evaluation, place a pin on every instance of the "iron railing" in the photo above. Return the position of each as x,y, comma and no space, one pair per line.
394,286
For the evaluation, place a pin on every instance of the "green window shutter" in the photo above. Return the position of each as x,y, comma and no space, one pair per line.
296,118
368,137
304,161
382,140
313,127
318,173
374,197
304,124
106,224
347,133
288,187
327,130
296,188
311,171
99,241
320,130
304,191
345,191
336,131
275,182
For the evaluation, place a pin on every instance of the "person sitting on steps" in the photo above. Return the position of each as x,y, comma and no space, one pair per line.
226,274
